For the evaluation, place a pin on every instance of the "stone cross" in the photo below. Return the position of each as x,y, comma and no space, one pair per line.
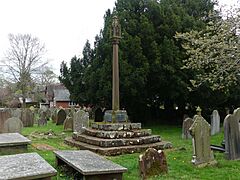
215,122
116,36
200,131
187,123
231,135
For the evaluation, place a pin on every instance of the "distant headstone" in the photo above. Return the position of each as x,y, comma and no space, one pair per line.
152,163
80,120
54,115
17,113
61,116
215,122
13,125
4,115
98,115
48,114
27,117
68,123
42,121
187,123
232,136
200,131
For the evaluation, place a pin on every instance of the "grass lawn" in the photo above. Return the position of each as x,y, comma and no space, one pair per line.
178,158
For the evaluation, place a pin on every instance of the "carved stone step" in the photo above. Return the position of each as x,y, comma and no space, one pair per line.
117,134
116,142
112,151
116,126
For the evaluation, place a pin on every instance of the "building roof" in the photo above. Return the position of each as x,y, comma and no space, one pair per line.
61,95
57,92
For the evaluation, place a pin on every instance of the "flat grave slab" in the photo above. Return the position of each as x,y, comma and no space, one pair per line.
13,143
25,166
13,139
89,164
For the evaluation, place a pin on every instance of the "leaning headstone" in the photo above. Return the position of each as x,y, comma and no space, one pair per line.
68,124
200,131
152,163
215,122
187,123
61,116
42,121
232,136
80,120
13,125
27,118
4,115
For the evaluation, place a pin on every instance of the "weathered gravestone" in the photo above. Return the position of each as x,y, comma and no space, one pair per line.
13,143
42,121
54,115
27,118
152,163
200,131
48,114
25,166
13,125
17,113
187,123
61,116
68,124
89,165
4,115
80,120
215,122
232,136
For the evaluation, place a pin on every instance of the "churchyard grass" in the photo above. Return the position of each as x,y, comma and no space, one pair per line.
178,158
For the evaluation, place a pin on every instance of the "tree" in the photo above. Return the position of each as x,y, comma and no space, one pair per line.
23,61
214,53
150,58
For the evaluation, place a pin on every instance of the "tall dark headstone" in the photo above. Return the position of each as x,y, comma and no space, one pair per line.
98,115
61,116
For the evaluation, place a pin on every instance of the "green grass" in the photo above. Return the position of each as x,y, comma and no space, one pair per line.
178,158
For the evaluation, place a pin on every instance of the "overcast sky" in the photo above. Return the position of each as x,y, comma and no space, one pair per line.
62,25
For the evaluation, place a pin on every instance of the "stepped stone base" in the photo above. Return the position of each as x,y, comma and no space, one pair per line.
116,142
111,151
116,126
116,138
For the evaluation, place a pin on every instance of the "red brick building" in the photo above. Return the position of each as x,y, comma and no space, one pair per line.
57,95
